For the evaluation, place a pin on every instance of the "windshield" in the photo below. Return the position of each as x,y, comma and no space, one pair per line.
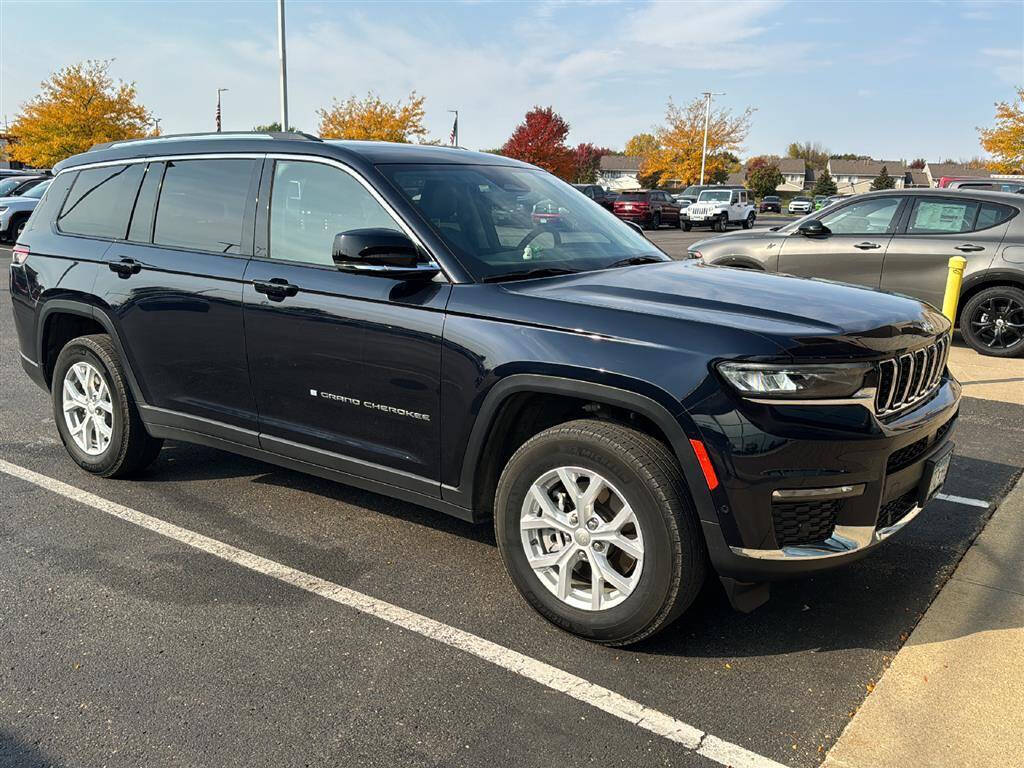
499,220
38,190
801,199
9,185
717,195
691,192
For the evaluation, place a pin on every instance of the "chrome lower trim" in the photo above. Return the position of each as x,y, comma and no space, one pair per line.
845,540
864,397
25,357
835,492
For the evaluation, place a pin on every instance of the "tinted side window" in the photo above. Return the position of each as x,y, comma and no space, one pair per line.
866,217
47,208
310,203
141,228
992,214
202,204
101,201
946,216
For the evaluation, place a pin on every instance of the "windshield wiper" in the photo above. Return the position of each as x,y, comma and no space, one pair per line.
635,260
526,274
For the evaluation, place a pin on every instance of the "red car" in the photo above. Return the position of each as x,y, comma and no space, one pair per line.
650,208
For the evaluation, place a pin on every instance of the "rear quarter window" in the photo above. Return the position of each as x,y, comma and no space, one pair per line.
46,209
100,202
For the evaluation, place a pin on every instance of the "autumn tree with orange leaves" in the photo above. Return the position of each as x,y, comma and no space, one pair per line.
374,119
675,156
1005,141
80,105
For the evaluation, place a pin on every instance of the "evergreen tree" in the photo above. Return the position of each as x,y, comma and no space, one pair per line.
824,185
883,180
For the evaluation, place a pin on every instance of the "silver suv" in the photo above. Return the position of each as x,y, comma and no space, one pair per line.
901,241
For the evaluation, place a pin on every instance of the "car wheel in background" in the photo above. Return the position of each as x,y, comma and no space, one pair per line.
655,221
749,221
722,223
94,410
687,226
597,531
992,321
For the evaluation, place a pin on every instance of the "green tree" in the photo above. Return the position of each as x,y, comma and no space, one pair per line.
812,152
764,180
824,185
274,127
883,180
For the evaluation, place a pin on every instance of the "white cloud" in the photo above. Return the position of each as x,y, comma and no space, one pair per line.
1006,63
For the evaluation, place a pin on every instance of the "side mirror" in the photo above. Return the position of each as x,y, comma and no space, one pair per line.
813,228
634,225
380,252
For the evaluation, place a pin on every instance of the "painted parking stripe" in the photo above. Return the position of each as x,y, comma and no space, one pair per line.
962,500
633,712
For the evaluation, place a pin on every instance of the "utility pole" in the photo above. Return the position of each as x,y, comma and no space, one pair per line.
454,139
707,117
219,92
284,65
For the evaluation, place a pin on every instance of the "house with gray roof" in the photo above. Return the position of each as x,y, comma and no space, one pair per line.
855,176
794,172
618,172
936,171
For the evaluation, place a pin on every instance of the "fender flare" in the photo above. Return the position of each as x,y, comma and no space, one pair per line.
678,429
988,278
90,311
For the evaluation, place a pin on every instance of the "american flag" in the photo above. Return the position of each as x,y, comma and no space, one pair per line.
455,130
218,113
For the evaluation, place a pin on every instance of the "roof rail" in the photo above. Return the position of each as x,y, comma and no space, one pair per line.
289,135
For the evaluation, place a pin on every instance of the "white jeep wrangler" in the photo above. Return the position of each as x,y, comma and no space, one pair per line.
718,208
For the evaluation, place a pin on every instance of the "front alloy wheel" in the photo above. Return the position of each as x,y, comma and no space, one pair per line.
581,538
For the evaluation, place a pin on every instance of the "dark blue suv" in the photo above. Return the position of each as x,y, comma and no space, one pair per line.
392,317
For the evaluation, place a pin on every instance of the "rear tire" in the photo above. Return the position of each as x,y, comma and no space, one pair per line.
641,483
95,413
992,321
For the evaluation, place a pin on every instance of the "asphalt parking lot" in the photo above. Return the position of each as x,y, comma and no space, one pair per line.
123,645
675,241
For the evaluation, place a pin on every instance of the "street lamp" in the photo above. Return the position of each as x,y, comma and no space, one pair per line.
707,117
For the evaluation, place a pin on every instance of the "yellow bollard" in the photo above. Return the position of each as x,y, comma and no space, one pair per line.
953,281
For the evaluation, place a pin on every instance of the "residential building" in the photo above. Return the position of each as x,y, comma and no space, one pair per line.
618,172
855,176
795,177
916,177
936,171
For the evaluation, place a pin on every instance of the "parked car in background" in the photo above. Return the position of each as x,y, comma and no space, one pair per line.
718,208
901,241
6,173
801,205
993,185
13,186
14,211
598,194
771,203
650,208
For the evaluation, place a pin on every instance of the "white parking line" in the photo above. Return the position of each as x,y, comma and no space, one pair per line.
962,500
633,712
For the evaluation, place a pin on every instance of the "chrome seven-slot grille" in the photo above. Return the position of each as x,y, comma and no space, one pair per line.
910,377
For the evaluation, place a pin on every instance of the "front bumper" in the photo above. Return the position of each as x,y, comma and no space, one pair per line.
798,451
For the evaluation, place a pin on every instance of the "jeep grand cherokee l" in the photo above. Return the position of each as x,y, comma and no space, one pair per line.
354,311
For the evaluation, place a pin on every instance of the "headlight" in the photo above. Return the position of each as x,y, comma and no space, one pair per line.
3,209
795,381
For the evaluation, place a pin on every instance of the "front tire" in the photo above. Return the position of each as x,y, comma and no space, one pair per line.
687,226
95,413
748,222
992,321
722,223
597,531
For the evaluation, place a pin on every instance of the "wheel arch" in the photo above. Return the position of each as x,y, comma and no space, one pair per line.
988,279
482,461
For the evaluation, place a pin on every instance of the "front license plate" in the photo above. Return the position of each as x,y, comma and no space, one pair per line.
935,472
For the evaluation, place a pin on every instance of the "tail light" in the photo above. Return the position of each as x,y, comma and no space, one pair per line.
19,254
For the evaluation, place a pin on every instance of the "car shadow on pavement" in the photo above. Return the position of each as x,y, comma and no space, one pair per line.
15,752
871,604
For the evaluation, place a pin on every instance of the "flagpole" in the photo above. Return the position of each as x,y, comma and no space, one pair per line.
219,92
284,66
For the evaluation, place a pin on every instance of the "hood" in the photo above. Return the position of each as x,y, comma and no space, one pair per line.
804,317
17,199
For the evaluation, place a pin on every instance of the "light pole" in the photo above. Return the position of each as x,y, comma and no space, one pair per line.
284,65
707,117
219,92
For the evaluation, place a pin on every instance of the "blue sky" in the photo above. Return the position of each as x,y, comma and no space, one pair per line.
888,79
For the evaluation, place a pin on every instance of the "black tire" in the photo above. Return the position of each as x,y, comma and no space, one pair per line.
655,221
679,221
748,223
16,227
687,226
722,223
131,448
646,474
982,313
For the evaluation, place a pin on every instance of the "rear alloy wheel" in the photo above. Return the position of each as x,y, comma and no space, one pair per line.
597,531
992,321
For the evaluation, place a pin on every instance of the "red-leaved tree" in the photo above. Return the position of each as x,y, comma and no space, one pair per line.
586,158
540,140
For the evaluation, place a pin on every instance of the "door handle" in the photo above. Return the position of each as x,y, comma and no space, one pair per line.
970,248
867,246
276,289
125,268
